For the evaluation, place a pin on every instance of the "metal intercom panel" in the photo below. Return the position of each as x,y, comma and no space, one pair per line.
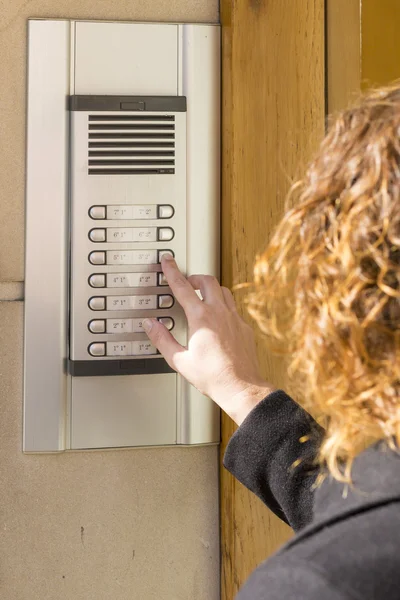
122,166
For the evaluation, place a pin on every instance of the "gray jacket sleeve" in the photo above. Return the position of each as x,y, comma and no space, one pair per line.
263,454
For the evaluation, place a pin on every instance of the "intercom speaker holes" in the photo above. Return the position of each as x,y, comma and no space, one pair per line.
131,144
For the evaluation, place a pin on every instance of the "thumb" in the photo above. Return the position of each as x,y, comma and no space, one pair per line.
164,341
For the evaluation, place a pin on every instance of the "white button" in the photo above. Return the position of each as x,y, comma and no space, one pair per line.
144,234
119,212
118,302
132,234
131,257
118,280
119,348
165,301
165,234
119,325
162,280
97,326
167,322
97,258
144,302
97,235
97,281
161,253
131,302
125,325
97,212
119,234
98,349
165,211
137,325
97,303
144,211
139,348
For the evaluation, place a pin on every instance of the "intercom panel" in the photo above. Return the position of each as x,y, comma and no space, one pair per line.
128,203
123,156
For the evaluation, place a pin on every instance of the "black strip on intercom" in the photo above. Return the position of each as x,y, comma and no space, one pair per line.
132,103
95,368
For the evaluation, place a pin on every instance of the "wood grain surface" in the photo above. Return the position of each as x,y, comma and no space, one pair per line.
273,118
363,47
343,52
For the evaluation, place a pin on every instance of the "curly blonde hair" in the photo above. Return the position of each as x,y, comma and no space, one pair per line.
327,288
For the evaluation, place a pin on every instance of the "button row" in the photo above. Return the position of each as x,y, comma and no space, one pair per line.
124,325
149,302
122,348
132,211
128,257
132,234
124,280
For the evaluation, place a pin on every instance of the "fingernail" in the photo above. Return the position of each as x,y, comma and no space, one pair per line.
147,324
167,257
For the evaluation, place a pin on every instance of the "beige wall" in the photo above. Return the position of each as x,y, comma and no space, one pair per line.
118,525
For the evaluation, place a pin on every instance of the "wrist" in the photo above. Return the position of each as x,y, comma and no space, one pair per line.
240,400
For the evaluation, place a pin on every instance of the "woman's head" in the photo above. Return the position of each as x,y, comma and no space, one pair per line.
327,288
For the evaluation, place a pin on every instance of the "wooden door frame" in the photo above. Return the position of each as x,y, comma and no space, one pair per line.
272,118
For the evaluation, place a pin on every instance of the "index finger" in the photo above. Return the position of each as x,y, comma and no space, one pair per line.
181,288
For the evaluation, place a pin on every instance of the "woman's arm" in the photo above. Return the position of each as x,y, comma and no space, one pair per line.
221,362
272,454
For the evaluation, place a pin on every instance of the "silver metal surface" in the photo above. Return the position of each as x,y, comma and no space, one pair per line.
126,59
198,416
132,246
68,58
135,416
45,343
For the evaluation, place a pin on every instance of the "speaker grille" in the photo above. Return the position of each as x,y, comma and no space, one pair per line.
131,144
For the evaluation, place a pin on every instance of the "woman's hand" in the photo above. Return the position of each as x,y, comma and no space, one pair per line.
220,360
